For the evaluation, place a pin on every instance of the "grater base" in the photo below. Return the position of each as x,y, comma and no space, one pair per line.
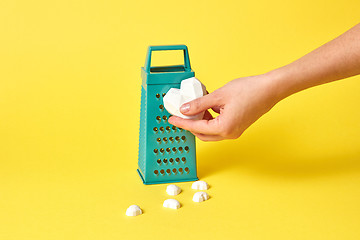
161,182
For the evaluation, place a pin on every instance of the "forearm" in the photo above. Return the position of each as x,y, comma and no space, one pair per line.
337,59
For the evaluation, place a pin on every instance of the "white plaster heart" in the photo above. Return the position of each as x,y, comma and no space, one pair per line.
190,89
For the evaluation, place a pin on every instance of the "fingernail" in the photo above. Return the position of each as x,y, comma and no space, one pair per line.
185,108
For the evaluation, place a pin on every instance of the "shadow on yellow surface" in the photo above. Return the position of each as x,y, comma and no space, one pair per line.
266,155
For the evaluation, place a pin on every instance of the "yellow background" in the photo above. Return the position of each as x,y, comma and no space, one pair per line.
69,114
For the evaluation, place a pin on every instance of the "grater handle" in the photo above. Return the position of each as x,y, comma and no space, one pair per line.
167,48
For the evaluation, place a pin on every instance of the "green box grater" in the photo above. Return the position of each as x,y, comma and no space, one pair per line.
166,153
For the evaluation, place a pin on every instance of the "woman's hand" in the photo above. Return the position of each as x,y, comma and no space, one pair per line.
239,104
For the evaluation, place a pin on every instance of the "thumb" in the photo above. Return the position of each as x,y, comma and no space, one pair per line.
199,105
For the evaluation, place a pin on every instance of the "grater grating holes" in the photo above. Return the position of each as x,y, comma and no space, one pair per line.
174,171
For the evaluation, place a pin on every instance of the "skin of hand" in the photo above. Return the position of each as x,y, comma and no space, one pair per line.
244,100
239,104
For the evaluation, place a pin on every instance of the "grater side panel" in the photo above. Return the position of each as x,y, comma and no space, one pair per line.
142,133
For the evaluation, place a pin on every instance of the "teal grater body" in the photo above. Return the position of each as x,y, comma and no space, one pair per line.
166,153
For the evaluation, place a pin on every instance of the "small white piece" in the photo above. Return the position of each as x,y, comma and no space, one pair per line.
133,210
200,197
200,185
190,89
173,190
171,203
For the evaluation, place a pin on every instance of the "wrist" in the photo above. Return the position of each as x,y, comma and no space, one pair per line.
280,84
